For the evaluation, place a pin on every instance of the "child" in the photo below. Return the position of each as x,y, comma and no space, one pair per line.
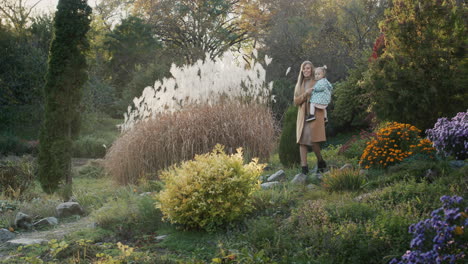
321,96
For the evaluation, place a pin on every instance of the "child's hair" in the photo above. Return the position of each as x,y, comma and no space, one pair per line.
323,69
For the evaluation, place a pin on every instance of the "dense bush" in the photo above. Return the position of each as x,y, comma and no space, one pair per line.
288,149
89,147
441,238
210,191
10,144
351,102
157,143
451,137
343,180
422,73
16,176
393,144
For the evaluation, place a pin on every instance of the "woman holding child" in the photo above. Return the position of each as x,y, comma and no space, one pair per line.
308,133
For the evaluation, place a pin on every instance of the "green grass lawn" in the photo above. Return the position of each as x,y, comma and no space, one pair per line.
289,224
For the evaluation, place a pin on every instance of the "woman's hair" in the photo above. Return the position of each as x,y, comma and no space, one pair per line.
300,78
323,69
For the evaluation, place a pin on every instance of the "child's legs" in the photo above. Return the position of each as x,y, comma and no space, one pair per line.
312,109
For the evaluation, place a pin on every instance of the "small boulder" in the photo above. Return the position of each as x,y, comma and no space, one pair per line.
49,221
160,238
23,220
347,166
277,176
299,179
312,187
146,194
363,197
6,235
69,209
269,185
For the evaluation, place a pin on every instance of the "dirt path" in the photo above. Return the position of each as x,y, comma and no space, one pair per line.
58,232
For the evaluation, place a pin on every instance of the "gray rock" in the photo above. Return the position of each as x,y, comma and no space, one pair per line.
25,242
269,185
145,194
6,235
457,164
160,238
346,166
23,220
299,179
69,209
277,176
312,187
362,197
49,221
319,175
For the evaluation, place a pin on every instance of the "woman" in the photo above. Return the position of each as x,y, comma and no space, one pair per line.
308,134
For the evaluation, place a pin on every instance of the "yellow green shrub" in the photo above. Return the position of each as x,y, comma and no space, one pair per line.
393,144
209,191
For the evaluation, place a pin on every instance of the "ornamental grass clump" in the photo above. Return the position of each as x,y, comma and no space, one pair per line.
450,137
343,180
170,138
393,144
210,191
442,238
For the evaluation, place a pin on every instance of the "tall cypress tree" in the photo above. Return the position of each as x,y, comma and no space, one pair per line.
66,75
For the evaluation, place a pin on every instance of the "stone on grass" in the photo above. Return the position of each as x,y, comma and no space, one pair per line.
363,197
23,220
69,209
299,179
319,175
160,238
346,166
277,176
6,235
269,185
312,187
145,194
49,221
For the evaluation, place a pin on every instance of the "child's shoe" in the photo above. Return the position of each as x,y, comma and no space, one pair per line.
310,118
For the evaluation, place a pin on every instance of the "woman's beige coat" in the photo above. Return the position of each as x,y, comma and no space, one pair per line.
315,129
301,99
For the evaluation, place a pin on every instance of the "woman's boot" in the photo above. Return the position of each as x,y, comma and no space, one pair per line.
321,166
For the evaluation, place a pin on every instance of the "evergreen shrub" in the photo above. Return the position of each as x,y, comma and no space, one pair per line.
288,148
210,191
169,138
